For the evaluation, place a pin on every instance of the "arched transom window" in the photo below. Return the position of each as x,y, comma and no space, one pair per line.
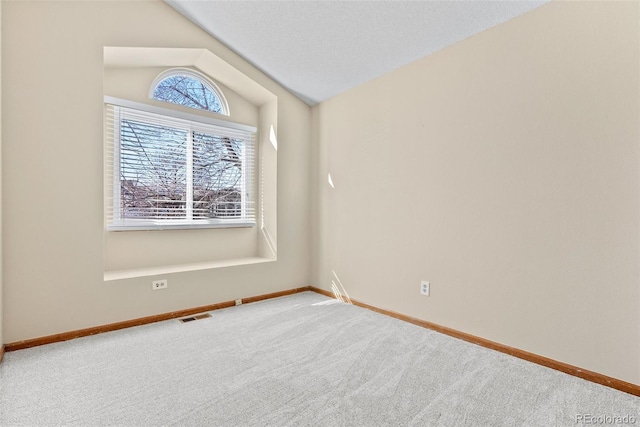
190,89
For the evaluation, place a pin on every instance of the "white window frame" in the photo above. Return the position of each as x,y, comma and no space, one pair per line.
112,179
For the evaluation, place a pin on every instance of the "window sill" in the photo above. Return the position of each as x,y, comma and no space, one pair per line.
175,225
169,269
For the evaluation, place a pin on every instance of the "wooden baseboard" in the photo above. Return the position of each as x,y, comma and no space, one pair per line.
65,336
1,352
521,354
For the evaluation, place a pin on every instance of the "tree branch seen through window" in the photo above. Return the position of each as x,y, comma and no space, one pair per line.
188,91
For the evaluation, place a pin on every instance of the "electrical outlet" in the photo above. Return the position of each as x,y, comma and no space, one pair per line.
159,284
238,301
425,288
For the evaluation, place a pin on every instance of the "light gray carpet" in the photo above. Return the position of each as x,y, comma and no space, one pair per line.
300,360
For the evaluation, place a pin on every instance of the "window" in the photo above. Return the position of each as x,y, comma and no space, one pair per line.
190,89
176,170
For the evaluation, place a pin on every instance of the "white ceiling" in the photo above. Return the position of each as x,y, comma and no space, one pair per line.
318,49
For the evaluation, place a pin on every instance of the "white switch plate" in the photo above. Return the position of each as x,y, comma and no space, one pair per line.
425,288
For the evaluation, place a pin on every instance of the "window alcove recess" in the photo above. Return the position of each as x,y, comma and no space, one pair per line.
190,164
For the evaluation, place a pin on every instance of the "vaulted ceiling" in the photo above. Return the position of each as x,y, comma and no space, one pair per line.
319,49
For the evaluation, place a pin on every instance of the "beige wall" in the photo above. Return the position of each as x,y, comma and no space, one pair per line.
504,170
1,275
53,160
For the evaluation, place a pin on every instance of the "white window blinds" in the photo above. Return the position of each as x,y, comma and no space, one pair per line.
165,171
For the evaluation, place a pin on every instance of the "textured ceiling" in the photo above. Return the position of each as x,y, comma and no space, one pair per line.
318,49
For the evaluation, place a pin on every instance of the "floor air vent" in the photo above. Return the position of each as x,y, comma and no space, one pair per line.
192,318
